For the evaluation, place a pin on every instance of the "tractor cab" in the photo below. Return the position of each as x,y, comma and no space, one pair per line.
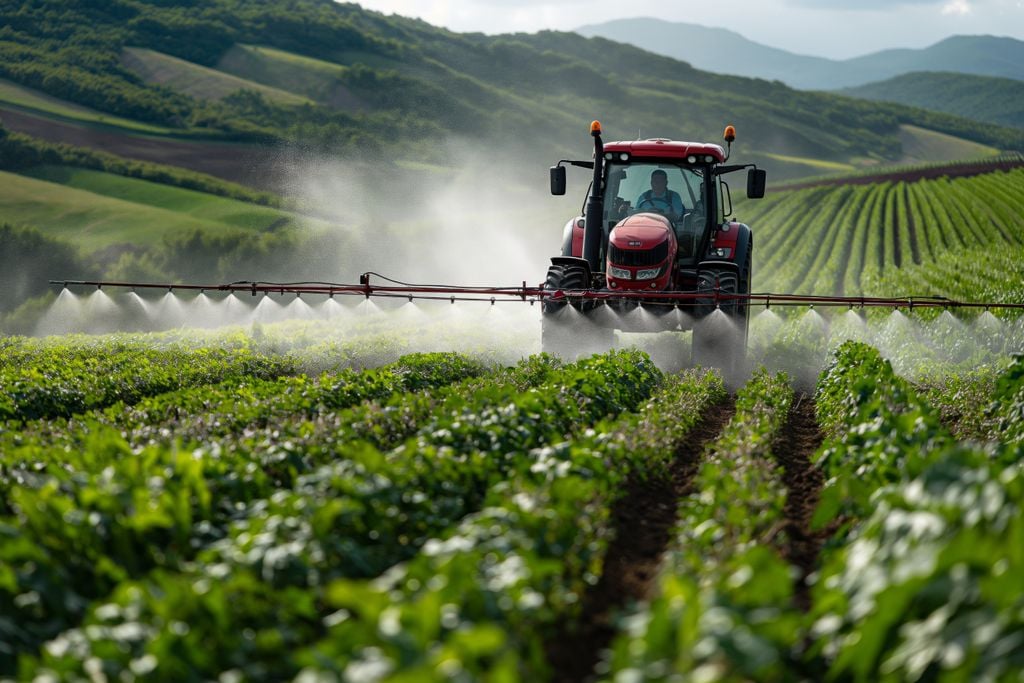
667,189
656,213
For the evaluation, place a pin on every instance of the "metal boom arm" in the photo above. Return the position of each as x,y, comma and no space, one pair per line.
525,293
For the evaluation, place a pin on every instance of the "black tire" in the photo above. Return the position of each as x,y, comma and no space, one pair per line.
720,336
569,334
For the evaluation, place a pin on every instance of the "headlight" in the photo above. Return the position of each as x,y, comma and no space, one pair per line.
648,273
721,252
621,273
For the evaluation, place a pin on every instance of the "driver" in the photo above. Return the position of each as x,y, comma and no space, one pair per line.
661,199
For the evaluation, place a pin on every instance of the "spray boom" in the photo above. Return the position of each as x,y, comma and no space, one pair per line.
389,288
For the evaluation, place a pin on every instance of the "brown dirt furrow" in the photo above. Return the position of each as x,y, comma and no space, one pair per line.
954,169
247,164
793,451
643,520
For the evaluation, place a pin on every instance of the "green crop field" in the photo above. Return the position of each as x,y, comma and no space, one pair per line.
199,484
920,144
37,102
267,505
314,78
840,239
194,79
96,210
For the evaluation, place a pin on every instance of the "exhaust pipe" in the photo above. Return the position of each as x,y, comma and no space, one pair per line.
594,216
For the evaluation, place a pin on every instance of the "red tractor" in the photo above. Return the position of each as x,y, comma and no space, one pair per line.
655,250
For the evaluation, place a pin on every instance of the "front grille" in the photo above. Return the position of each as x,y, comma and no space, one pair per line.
638,257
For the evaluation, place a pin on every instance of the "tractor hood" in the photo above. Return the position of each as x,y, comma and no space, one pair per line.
641,250
641,231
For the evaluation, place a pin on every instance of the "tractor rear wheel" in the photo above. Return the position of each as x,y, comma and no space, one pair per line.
566,332
720,337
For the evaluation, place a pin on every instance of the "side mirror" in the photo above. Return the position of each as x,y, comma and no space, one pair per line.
756,180
557,180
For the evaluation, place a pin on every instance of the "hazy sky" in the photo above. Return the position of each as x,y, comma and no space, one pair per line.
827,28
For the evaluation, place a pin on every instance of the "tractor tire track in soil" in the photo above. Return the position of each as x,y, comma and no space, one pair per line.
793,450
643,520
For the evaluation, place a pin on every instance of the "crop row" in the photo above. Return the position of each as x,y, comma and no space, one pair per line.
195,416
61,381
358,512
209,485
479,601
825,240
926,583
969,275
724,609
919,580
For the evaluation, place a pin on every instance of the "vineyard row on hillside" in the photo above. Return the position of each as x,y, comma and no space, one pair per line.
834,240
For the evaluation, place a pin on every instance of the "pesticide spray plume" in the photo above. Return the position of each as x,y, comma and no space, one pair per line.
795,335
477,217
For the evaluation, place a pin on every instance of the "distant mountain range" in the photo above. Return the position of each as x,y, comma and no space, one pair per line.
705,48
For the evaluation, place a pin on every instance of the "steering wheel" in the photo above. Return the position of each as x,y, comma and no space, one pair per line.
664,210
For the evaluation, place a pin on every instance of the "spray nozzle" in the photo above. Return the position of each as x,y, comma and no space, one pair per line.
492,300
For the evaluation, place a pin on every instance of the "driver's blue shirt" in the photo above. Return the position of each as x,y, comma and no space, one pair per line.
648,201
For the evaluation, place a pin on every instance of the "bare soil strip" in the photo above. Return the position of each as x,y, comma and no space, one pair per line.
247,164
955,169
643,521
793,451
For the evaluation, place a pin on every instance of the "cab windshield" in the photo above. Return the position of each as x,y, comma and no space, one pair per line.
676,192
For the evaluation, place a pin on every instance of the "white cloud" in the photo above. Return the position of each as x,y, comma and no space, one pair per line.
957,7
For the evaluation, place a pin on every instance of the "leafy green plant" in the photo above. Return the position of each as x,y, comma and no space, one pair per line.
724,609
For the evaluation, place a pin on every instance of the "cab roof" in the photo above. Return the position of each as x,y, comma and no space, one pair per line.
665,148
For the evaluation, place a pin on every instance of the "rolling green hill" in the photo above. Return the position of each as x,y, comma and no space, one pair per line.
995,100
922,145
342,79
